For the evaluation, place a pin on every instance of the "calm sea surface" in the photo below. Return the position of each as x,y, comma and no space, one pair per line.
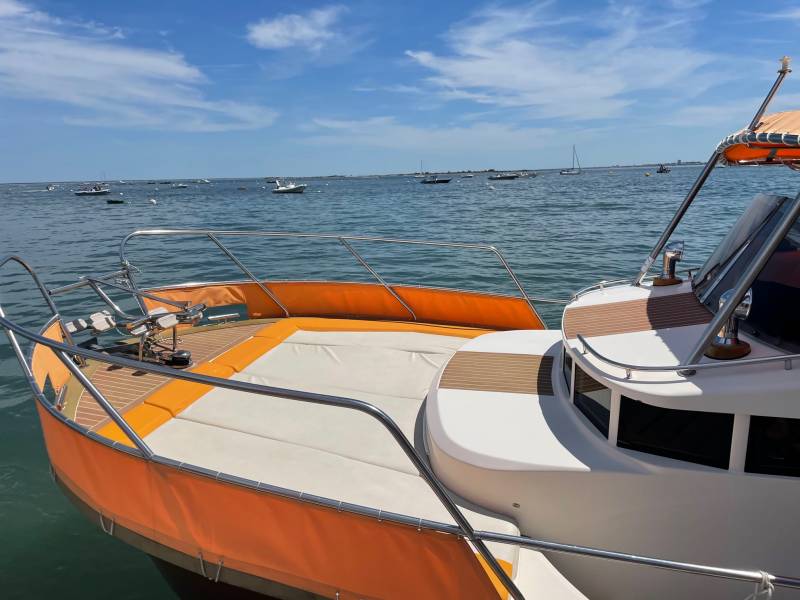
558,233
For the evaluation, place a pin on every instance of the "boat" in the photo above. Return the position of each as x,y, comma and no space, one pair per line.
467,176
180,186
422,174
115,201
202,181
662,168
575,159
501,176
51,187
528,174
271,179
288,188
330,438
436,179
97,189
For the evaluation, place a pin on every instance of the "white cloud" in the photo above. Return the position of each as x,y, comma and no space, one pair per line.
105,82
311,31
386,132
521,57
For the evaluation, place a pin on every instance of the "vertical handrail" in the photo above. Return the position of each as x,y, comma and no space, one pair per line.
45,294
12,339
701,179
375,274
249,273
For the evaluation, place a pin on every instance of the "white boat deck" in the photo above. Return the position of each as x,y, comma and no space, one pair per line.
332,452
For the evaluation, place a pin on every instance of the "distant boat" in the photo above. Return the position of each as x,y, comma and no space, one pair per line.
202,181
436,179
95,190
467,176
51,188
241,188
499,176
662,168
165,182
180,185
288,188
573,170
528,175
421,174
115,201
271,179
151,183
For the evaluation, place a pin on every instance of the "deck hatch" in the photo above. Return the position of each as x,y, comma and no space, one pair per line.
499,372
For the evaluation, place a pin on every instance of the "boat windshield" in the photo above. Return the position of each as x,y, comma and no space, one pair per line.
737,241
774,318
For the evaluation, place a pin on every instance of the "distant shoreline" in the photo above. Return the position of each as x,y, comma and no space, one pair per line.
692,163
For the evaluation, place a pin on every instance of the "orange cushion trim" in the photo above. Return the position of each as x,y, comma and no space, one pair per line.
143,419
178,395
364,300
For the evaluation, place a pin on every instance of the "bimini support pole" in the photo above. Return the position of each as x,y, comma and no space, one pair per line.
701,179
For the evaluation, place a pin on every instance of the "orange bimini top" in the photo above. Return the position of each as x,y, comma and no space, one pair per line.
776,140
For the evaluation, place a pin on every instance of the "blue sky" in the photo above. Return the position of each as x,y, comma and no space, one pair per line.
191,89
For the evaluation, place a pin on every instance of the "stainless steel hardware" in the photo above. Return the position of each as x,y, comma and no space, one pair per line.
727,344
673,253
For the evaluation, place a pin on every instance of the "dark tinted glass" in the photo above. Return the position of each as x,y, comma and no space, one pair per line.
773,446
567,369
693,436
593,399
776,296
725,276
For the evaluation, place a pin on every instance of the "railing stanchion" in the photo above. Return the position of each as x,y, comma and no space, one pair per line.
249,273
375,274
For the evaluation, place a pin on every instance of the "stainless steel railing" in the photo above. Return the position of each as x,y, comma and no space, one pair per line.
787,359
478,538
347,242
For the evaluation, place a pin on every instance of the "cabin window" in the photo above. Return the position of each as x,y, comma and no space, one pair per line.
693,436
567,365
593,399
773,446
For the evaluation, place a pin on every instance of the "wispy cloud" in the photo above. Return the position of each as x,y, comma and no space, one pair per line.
386,132
103,81
313,30
524,57
317,37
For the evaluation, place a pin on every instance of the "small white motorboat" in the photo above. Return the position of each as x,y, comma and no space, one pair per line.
97,189
288,188
180,186
51,188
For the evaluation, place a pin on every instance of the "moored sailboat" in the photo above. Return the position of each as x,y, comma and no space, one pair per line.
575,159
